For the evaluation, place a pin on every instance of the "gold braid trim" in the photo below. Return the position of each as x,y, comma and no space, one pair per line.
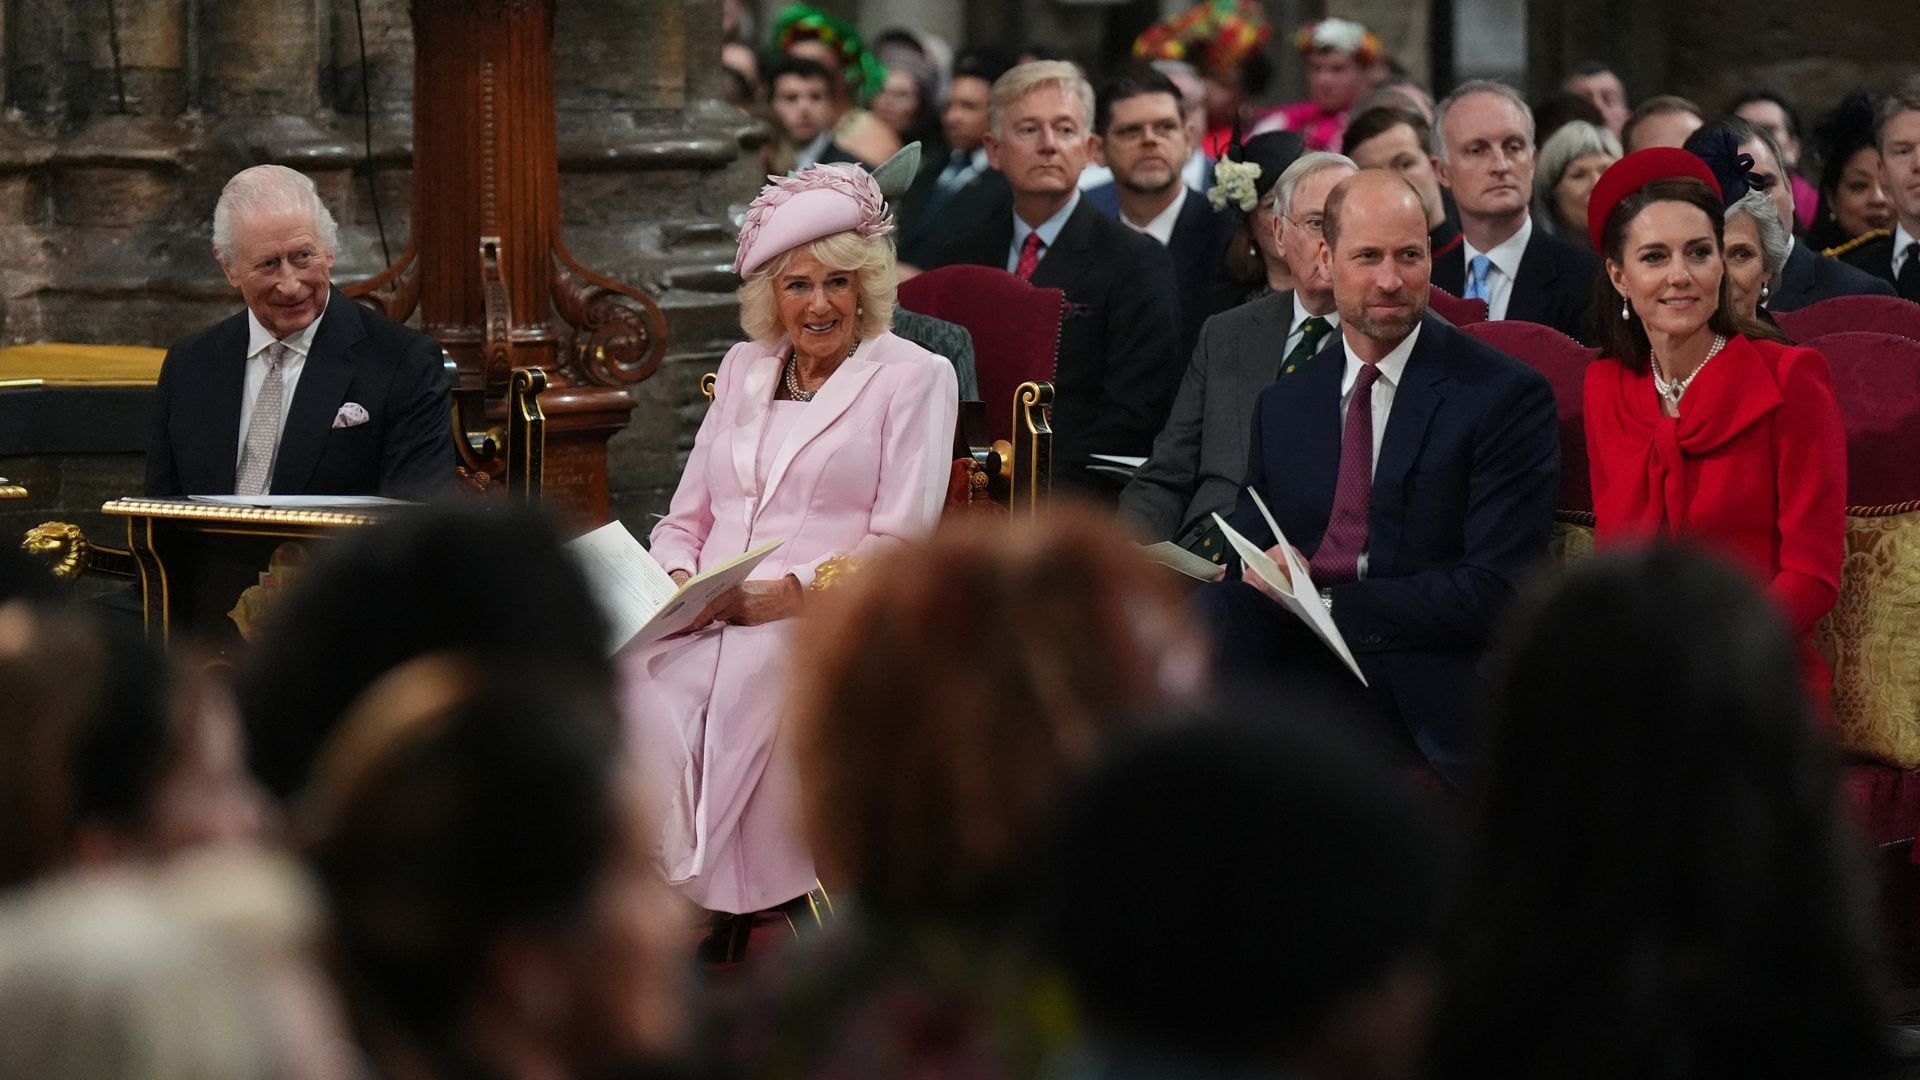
834,572
1867,237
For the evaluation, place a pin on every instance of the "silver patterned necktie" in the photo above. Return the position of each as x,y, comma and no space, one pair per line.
263,431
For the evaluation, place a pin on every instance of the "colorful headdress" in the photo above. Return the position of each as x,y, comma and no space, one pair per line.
798,22
1635,171
799,209
1344,35
1215,35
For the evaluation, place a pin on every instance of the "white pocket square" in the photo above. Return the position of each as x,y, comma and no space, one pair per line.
350,415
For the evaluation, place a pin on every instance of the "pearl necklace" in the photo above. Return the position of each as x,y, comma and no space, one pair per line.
1671,391
793,374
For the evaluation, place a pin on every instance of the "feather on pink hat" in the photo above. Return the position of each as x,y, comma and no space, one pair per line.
819,202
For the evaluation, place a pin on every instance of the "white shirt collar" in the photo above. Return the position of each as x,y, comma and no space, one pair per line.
1392,366
1507,253
300,341
1049,229
1301,315
1901,238
810,153
1161,227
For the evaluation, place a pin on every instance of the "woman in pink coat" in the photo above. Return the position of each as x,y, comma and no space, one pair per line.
827,433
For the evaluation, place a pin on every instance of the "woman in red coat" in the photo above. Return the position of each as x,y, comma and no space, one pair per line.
1694,429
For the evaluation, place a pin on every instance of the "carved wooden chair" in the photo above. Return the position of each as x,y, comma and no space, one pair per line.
1838,314
1455,310
1016,339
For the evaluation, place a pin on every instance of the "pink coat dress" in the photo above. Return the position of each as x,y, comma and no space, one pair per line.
863,465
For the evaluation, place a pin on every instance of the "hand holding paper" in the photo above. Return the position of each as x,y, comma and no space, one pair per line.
1279,577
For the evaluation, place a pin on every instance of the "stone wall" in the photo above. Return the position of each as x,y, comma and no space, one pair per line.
107,183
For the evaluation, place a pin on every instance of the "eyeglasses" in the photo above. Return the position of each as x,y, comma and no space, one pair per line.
1310,222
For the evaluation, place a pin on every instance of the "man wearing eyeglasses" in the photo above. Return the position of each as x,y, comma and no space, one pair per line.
1141,135
1119,360
1199,461
305,392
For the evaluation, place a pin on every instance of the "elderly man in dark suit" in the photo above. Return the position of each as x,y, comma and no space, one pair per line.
1487,156
1119,363
1140,134
304,392
1807,276
1414,467
1199,461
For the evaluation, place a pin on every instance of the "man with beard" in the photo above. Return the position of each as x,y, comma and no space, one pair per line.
1141,134
1415,468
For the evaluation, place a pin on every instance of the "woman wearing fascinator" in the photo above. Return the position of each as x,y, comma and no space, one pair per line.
1243,180
1757,242
828,433
1698,426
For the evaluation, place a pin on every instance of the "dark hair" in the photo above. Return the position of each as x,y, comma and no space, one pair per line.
1658,105
1256,73
1900,101
85,733
1131,81
804,67
1328,871
983,62
1382,119
1662,885
463,798
495,582
1586,69
1625,340
1838,135
1560,110
1751,95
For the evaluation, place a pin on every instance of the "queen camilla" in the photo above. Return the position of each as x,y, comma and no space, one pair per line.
827,433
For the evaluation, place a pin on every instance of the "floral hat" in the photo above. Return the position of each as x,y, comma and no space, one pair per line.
798,22
1249,170
814,203
1343,35
1215,35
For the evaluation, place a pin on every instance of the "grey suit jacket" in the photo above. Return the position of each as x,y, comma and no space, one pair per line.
1199,460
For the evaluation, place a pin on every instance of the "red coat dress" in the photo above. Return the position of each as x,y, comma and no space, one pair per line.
1753,469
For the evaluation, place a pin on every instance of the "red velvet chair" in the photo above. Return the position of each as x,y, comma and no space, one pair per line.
1564,362
1455,310
1876,377
1016,338
1882,314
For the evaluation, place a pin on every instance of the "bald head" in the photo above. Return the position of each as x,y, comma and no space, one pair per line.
1377,258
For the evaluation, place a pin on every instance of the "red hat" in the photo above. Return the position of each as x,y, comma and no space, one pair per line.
1637,170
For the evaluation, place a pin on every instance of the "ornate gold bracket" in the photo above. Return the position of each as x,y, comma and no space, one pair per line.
1032,456
526,434
619,334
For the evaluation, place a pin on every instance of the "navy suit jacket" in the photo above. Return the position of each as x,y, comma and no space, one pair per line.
1553,287
404,450
1119,364
1810,277
1198,248
1461,511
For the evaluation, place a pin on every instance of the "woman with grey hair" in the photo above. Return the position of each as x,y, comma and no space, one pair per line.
1755,249
1571,161
829,434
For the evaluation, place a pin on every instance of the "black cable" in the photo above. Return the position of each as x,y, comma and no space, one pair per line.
113,47
366,112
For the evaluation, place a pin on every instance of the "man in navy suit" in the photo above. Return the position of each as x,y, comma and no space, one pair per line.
305,392
1414,467
1140,134
1486,159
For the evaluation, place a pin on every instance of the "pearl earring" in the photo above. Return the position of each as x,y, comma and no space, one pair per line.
1766,290
1626,314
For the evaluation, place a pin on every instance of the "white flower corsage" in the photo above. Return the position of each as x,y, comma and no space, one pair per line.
1233,183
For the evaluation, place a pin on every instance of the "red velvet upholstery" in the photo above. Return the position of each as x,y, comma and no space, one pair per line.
1015,328
1876,377
1564,362
1455,310
1884,314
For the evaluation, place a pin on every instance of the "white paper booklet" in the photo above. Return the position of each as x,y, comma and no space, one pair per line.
1168,553
639,597
1304,601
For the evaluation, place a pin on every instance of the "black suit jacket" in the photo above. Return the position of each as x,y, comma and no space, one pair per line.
1810,276
1461,510
1553,287
1876,257
1119,365
927,217
404,450
1198,248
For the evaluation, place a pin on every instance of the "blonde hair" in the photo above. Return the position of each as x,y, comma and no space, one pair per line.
1034,75
871,260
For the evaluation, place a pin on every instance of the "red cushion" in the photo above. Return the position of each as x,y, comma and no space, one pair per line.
1564,362
1015,328
1876,378
1884,801
1884,314
1455,310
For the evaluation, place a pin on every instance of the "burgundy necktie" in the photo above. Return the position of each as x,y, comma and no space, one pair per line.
1337,561
1029,257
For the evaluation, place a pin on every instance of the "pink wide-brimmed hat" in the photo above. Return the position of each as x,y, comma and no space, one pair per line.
819,201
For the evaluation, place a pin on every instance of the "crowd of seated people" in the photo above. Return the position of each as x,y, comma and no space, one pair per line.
998,795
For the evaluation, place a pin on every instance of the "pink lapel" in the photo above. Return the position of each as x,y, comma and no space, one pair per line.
828,405
750,416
